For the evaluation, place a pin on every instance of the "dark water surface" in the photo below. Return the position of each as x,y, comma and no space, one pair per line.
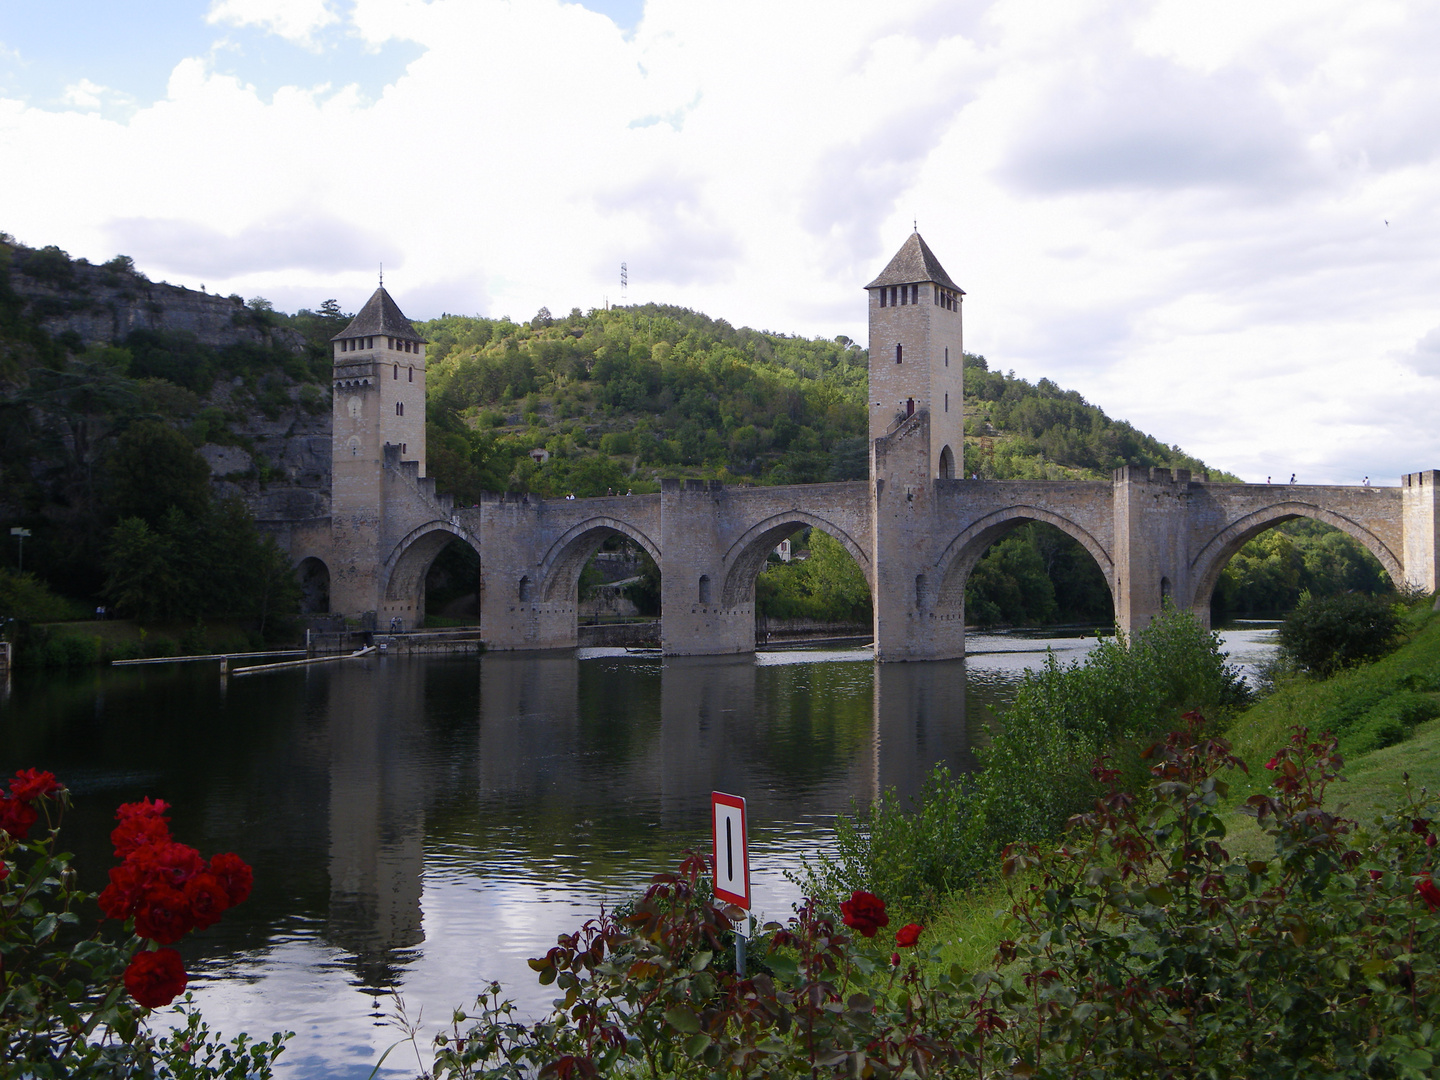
428,824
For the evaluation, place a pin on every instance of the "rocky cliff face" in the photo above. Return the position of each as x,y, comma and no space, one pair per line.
101,305
274,450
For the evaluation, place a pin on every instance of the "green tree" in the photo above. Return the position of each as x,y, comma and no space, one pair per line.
154,469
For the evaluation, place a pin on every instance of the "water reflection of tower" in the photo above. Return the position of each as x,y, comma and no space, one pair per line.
378,790
919,721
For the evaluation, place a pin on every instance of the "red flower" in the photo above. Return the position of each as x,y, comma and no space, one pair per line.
32,783
123,895
1376,875
234,875
141,823
4,870
170,862
1428,892
1273,763
908,935
207,899
136,832
155,979
163,915
894,959
864,912
16,817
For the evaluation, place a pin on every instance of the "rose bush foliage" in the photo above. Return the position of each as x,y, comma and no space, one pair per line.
73,998
1140,948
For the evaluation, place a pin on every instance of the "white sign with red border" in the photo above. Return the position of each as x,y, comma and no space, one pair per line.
731,850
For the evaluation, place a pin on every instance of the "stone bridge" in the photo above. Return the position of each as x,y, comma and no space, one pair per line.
914,529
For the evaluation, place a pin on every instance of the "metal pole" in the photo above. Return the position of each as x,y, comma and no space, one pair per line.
740,948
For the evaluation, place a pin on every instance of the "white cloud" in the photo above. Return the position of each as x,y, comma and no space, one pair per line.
88,95
1181,217
294,20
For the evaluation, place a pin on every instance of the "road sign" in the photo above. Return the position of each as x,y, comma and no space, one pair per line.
20,532
732,852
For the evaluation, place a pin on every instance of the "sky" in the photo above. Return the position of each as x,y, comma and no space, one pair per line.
1215,220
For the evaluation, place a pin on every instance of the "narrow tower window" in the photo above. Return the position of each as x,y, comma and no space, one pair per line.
396,375
909,407
412,374
914,294
947,355
399,408
882,298
947,401
899,352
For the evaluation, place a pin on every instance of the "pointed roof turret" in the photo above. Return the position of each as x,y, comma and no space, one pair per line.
380,317
913,263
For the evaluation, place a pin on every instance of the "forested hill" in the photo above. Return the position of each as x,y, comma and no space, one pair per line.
618,398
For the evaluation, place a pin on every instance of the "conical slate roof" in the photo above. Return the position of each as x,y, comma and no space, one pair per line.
913,263
380,316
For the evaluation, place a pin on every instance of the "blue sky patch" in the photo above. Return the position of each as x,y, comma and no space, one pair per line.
132,49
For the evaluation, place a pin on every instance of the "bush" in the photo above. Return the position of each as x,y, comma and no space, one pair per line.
1325,634
74,998
1036,771
1140,949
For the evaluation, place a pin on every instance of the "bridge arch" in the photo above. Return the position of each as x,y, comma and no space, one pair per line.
746,556
313,574
953,567
1217,552
404,571
561,565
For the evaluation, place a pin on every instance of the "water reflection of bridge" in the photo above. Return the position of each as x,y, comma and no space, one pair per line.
573,767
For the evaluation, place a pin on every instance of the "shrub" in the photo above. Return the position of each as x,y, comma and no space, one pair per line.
1036,771
1140,949
73,1000
1328,633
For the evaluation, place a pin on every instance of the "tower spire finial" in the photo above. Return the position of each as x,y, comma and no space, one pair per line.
382,275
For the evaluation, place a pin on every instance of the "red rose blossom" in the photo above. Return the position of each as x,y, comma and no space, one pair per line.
894,959
1273,763
207,899
32,783
4,870
155,979
163,915
864,912
908,935
234,875
16,817
1376,875
1428,892
170,862
136,832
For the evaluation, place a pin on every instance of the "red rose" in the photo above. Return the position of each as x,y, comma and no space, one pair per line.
16,817
172,863
155,979
207,899
864,912
894,959
125,891
1376,875
136,832
4,870
141,823
1273,763
1428,892
163,915
234,875
32,783
908,935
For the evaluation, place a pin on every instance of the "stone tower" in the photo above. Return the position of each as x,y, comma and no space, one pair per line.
916,361
917,431
379,382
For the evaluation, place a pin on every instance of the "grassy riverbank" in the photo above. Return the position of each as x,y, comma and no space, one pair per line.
1360,706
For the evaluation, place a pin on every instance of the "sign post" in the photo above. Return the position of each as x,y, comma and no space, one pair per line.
731,861
20,535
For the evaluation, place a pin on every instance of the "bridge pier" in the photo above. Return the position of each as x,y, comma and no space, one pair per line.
1421,523
1152,517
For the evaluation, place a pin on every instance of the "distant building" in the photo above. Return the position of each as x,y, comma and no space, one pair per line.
783,550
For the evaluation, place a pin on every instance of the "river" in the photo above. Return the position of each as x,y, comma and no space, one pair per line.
425,825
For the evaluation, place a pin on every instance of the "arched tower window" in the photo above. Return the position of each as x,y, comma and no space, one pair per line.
909,407
899,352
525,588
704,588
412,374
947,464
396,374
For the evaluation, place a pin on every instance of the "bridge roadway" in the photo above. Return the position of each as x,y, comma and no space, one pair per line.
1154,535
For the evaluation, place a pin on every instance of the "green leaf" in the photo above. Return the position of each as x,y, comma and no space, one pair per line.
682,1019
696,1044
701,961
